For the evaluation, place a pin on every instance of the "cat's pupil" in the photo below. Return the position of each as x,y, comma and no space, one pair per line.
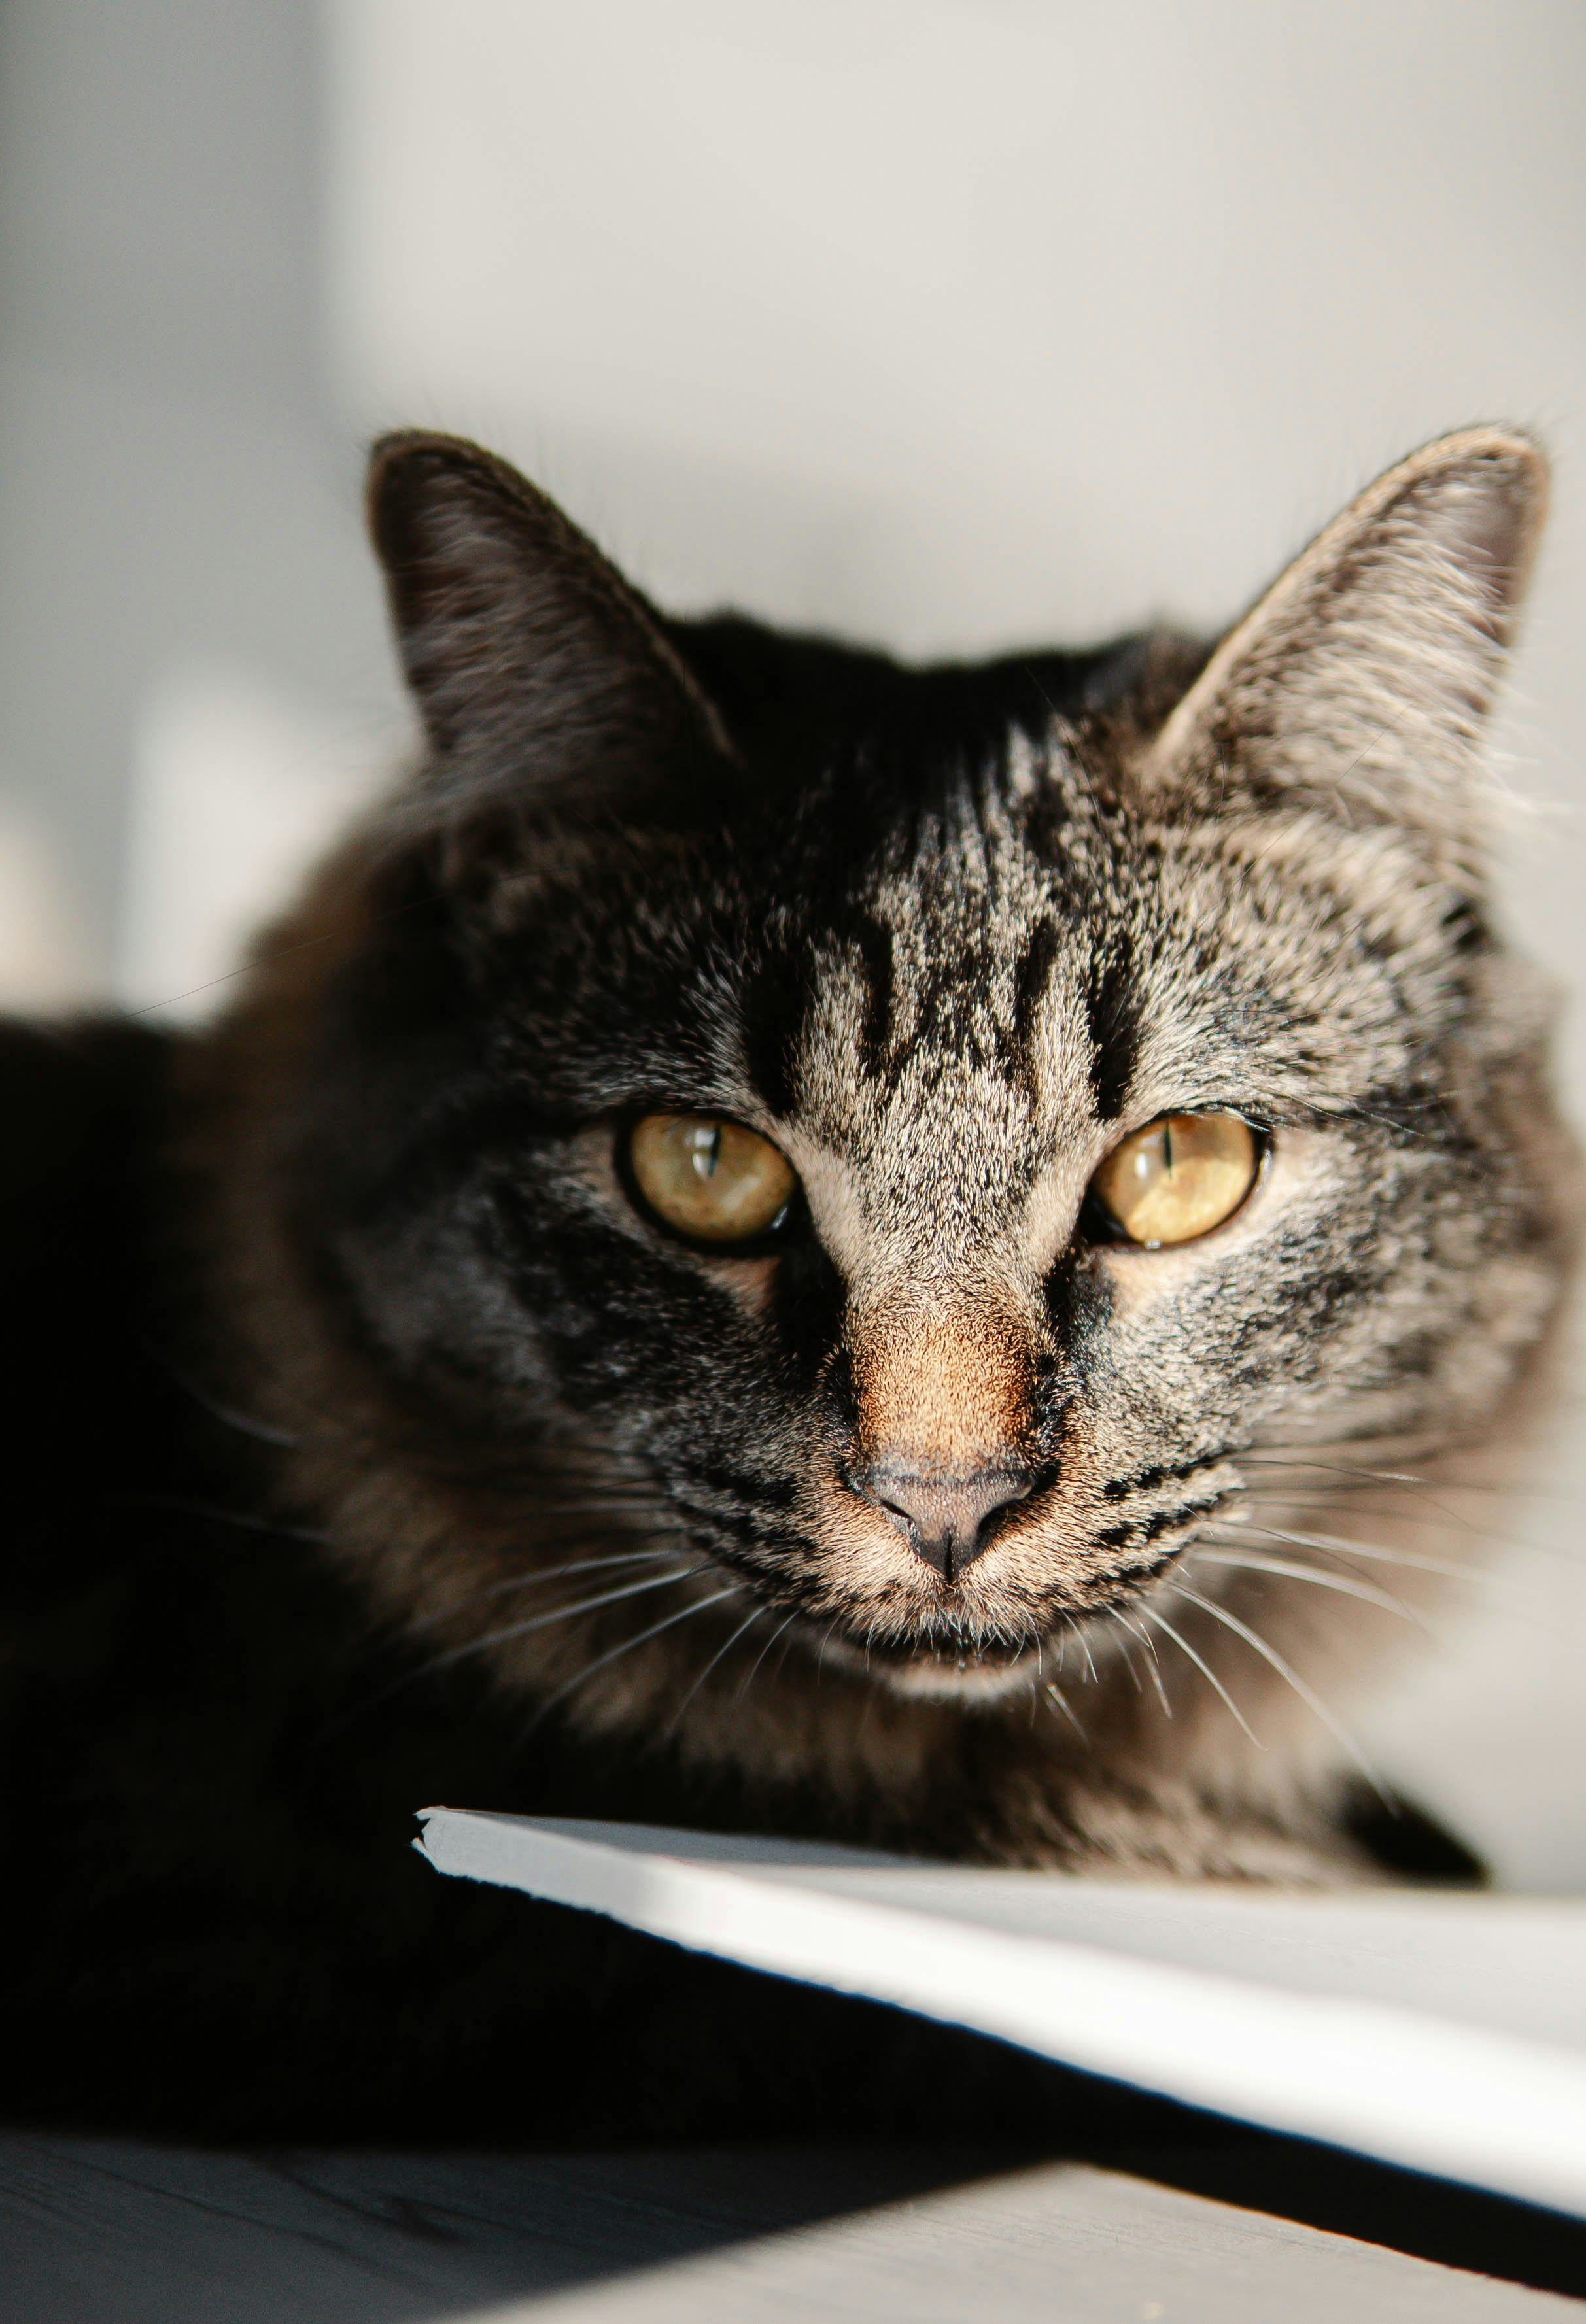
706,1144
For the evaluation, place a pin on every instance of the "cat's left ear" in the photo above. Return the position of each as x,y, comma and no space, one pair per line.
543,680
1362,682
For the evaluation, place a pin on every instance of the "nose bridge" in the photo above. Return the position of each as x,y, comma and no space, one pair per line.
943,1382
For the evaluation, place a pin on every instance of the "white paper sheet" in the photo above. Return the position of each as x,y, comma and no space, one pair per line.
1443,2031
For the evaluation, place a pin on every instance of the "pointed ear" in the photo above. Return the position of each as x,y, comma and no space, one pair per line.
1362,682
534,665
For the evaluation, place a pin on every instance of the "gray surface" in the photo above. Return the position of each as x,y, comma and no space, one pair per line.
100,2232
1065,2241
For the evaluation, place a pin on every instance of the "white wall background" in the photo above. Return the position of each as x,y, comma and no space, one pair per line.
947,323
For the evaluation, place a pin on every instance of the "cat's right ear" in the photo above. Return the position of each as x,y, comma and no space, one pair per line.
543,680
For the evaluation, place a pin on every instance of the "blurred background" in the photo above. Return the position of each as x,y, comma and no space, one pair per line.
947,323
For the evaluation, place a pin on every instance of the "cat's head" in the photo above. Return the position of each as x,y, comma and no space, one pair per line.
921,1128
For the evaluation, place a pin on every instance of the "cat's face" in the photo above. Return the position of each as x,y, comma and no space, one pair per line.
930,1163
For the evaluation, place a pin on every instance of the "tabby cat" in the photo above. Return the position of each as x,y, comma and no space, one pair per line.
931,1256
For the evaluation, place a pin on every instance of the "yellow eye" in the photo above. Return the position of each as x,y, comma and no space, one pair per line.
713,1180
1180,1177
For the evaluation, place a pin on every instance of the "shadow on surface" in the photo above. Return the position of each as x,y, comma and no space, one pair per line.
125,2233
120,2233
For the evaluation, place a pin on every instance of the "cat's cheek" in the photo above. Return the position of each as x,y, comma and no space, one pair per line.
1299,1183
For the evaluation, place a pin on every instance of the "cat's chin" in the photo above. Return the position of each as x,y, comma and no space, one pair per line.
928,1676
932,1680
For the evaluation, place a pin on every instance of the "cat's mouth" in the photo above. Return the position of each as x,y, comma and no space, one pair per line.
1033,1648
986,1636
1043,1604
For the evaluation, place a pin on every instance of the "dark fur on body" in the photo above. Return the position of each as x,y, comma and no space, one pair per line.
423,1467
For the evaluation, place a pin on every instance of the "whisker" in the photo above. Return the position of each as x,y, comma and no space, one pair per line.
1364,1478
1437,1516
244,1520
820,1652
734,1589
1154,1614
1339,1551
1152,1665
747,1624
1128,1662
473,1463
1308,1694
788,1644
559,1614
1334,1469
529,1580
613,1497
1292,1570
1415,1560
771,1642
261,1431
1412,1503
1412,1507
1055,1696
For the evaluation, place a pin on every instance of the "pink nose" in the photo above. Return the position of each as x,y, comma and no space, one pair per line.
947,1520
